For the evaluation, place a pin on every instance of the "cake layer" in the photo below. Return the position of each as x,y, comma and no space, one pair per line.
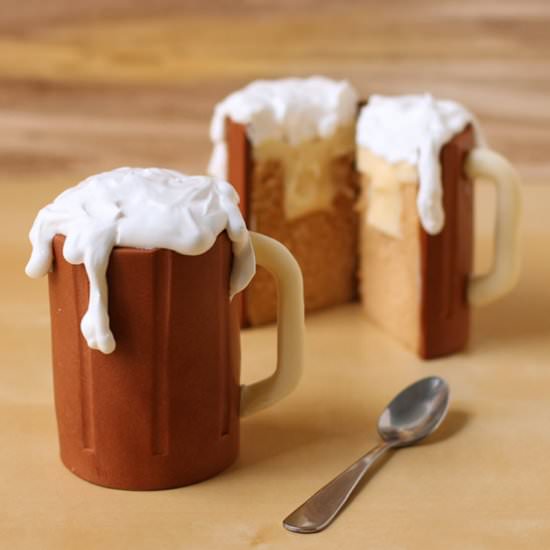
390,272
413,284
384,205
323,241
308,179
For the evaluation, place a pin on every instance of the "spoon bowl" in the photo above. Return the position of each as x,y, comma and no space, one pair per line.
415,413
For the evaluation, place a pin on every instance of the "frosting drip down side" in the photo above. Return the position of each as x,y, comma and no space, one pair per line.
291,110
412,129
140,208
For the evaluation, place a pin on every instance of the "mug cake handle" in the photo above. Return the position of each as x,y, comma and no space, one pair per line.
276,258
503,275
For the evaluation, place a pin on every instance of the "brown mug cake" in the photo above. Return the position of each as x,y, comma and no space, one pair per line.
143,268
288,148
418,158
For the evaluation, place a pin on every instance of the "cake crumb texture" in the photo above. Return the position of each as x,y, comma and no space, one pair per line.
324,243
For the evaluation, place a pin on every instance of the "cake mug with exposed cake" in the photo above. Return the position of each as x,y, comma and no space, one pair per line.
143,265
418,158
288,148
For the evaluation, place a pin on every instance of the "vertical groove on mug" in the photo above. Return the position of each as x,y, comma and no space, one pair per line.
162,292
85,364
224,326
450,196
446,258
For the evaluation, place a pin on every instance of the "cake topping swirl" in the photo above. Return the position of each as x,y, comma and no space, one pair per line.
413,129
293,110
140,208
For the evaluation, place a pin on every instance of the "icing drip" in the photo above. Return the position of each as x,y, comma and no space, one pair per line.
140,208
413,129
292,110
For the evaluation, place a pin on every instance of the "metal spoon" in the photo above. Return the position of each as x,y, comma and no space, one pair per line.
412,415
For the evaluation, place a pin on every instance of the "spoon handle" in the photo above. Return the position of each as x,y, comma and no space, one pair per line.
319,511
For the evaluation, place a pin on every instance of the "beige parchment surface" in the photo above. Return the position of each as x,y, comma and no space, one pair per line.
88,86
481,482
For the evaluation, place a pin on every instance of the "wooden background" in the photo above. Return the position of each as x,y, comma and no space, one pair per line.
87,85
91,85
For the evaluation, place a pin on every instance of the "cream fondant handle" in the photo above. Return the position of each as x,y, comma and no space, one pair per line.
274,257
503,275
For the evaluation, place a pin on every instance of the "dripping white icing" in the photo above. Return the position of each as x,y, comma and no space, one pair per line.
291,109
141,208
413,129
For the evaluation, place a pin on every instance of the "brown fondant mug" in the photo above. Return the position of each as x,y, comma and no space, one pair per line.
163,409
419,286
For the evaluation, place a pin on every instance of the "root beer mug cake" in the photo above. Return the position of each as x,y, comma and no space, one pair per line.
143,265
418,158
288,148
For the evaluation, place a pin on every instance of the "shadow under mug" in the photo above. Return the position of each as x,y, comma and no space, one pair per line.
163,409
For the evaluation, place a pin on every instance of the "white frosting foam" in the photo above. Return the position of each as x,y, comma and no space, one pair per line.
141,208
290,109
413,129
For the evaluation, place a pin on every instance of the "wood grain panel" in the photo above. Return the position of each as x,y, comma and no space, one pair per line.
86,86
